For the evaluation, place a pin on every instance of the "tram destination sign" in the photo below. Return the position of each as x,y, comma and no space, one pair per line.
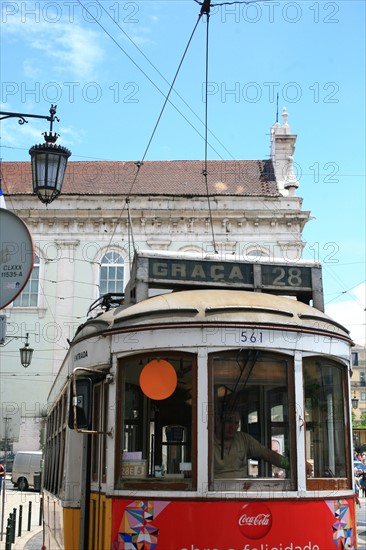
300,279
196,271
230,273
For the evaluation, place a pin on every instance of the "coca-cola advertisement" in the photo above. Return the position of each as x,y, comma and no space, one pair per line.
234,525
255,520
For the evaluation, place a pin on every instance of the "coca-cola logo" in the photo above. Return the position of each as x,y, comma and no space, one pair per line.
254,520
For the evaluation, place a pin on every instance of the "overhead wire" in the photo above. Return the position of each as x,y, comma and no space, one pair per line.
206,6
206,9
230,3
330,270
163,77
347,292
319,174
97,20
171,88
167,99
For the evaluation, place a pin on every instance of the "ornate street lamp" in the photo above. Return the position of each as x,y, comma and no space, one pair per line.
354,401
26,353
48,159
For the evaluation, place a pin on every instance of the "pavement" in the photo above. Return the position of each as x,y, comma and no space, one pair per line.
361,524
13,499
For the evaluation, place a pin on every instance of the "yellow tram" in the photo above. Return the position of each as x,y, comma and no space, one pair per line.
213,415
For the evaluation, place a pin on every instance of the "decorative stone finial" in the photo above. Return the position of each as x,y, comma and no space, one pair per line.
291,183
285,116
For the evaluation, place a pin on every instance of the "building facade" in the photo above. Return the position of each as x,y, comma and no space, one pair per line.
358,393
85,240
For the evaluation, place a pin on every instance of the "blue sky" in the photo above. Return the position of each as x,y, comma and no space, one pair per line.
106,66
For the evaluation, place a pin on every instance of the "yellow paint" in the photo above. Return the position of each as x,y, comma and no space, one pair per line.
61,525
71,528
100,523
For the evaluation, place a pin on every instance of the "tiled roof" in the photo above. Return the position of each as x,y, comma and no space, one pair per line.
176,177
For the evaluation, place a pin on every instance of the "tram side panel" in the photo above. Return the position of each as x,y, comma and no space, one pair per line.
62,494
62,500
242,524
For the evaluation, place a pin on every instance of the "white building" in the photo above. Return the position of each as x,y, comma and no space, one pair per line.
84,243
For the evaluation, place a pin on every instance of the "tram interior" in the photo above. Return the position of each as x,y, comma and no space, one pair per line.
157,433
158,436
325,418
256,387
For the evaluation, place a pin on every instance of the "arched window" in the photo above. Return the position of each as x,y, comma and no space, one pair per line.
29,295
111,273
256,252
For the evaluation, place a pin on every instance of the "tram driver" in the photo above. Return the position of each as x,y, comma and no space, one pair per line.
233,449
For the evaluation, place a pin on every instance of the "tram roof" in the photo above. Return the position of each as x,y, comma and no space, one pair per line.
224,307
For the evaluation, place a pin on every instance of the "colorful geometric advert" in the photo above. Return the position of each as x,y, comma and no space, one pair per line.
136,531
343,534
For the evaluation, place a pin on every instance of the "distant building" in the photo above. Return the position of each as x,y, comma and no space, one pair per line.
358,392
84,243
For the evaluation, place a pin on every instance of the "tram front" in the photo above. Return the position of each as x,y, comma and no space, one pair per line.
220,418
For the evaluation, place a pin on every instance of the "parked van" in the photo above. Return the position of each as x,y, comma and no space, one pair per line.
27,470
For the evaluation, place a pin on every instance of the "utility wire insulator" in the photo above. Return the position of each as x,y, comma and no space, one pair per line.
205,7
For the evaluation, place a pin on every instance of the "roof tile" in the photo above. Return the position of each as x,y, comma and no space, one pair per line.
177,177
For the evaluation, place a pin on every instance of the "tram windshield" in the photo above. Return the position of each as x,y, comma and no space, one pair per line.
156,422
252,433
325,416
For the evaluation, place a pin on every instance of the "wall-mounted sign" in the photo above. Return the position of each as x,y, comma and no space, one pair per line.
16,256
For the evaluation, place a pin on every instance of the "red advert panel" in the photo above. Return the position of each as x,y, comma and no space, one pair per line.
217,525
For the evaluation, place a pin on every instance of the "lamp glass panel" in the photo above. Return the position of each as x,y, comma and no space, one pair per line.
40,164
26,354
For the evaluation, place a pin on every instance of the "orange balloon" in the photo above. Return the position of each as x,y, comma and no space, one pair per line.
158,379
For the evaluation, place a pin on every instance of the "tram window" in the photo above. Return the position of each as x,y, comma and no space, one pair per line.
252,436
326,419
99,424
157,441
55,447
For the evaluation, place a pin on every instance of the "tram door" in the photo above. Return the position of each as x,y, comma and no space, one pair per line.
96,518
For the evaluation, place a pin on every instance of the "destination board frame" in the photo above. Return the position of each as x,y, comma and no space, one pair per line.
302,280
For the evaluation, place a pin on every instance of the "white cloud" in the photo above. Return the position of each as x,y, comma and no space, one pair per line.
74,49
29,133
67,44
352,314
31,69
